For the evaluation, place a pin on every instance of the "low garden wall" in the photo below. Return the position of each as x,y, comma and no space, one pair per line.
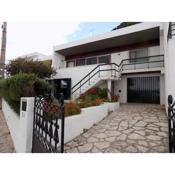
74,125
20,126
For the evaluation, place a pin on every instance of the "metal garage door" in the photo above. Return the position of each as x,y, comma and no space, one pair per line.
143,89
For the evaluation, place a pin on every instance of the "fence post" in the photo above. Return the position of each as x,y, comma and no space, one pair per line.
62,122
26,123
169,130
170,108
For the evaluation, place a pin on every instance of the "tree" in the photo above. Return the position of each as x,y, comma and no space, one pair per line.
22,85
28,65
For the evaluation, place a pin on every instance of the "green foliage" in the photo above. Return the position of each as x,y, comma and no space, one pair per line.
71,108
88,103
22,85
94,93
47,62
42,69
92,97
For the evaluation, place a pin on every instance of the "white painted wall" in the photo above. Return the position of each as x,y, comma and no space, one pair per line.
21,127
122,85
58,61
119,56
77,73
13,123
169,47
75,124
154,50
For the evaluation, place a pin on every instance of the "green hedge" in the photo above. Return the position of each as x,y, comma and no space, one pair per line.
22,85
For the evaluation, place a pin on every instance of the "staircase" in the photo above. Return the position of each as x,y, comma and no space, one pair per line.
171,30
100,73
114,71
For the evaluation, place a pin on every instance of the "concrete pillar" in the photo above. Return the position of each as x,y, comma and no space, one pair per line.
26,123
58,61
109,85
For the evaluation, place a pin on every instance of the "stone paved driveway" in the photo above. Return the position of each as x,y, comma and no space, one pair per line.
6,144
133,128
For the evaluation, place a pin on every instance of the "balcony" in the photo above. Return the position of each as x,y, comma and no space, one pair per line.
148,63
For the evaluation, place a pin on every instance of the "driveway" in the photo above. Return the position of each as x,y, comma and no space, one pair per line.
6,143
133,128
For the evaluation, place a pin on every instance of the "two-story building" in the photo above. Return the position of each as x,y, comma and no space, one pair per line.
135,62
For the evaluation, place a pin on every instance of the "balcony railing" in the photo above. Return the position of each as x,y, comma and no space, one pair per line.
156,61
115,70
171,30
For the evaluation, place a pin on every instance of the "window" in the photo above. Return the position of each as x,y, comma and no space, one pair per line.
70,63
104,59
92,60
137,54
80,62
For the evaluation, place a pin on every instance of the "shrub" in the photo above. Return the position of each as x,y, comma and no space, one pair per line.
88,103
72,108
85,103
93,97
115,98
28,65
92,90
94,93
22,85
51,110
98,102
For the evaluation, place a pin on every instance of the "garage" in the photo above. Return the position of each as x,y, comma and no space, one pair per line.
143,89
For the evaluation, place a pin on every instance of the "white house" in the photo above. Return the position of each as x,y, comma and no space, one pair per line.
135,62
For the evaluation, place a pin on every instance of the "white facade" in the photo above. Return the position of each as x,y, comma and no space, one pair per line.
125,36
169,46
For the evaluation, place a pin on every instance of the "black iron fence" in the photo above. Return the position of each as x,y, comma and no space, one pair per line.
171,123
48,125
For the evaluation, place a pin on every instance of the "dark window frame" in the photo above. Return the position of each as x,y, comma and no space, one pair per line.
79,60
109,59
91,58
97,57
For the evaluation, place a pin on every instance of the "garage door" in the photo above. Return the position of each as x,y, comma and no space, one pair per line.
143,89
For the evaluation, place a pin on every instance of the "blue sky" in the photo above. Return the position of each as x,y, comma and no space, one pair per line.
87,29
28,37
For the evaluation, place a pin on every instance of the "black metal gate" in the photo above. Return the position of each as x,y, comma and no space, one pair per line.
171,124
48,125
143,89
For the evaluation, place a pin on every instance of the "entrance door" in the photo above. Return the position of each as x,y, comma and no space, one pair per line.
143,89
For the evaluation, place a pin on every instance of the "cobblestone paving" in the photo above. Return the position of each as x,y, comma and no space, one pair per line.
6,144
133,128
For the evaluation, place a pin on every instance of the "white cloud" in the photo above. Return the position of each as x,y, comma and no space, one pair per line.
26,37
